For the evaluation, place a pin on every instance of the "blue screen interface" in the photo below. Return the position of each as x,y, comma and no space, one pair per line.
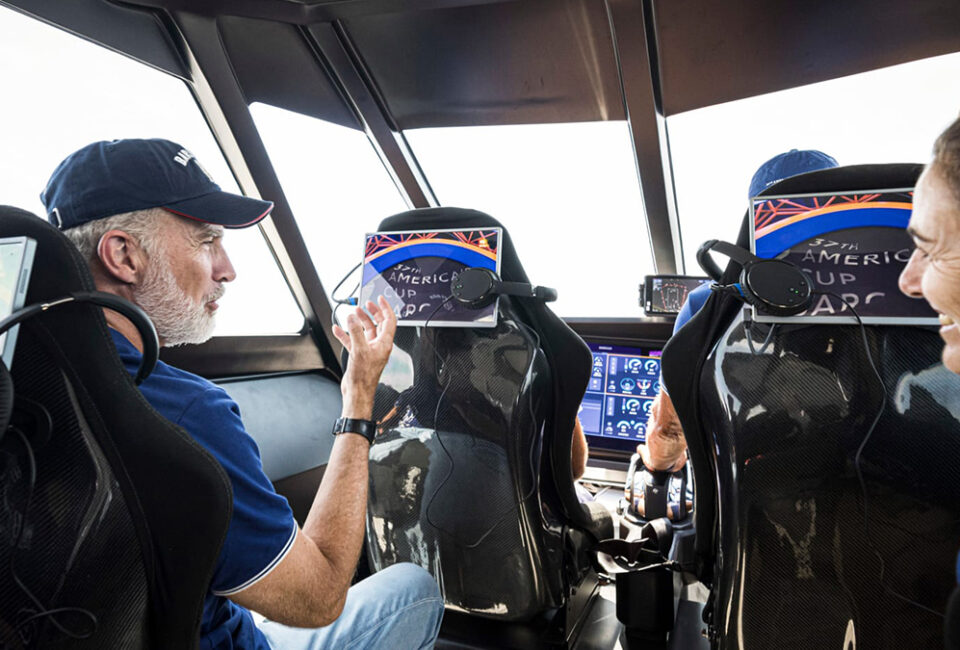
623,383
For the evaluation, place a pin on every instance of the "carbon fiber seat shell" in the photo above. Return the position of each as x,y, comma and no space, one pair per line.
797,553
471,476
801,567
127,512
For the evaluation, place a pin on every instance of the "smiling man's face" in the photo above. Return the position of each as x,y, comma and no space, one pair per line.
933,271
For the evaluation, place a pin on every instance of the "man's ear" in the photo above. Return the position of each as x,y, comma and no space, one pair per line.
122,257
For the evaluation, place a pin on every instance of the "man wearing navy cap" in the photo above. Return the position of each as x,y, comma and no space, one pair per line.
665,445
149,221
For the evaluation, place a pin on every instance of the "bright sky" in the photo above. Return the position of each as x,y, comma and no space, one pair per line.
889,115
559,189
568,193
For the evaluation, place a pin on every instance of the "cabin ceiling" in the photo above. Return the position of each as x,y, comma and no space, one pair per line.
535,61
458,62
717,52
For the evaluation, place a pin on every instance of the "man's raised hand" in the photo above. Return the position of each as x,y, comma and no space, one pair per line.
368,339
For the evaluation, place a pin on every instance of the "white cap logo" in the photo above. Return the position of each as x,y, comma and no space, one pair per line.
183,157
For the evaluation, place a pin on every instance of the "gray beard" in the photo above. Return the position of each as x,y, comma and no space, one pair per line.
178,318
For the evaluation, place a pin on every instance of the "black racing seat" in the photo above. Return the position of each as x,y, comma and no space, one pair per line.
774,436
114,510
471,476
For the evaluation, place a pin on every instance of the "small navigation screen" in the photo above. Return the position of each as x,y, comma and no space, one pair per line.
623,383
10,256
16,260
665,294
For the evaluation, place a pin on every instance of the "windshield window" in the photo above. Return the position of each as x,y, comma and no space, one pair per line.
888,115
336,184
62,93
567,193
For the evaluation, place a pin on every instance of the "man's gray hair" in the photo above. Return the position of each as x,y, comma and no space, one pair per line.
142,225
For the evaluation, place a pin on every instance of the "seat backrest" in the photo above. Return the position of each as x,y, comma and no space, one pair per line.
458,466
124,517
846,531
478,431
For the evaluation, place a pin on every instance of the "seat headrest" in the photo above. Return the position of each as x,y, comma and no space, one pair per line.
849,178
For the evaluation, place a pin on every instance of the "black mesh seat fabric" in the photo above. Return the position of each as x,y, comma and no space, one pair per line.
127,514
471,476
774,435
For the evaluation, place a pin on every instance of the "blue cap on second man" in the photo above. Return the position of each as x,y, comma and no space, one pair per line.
789,164
107,178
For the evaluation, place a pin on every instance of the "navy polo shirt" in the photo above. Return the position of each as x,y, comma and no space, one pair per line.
695,300
262,528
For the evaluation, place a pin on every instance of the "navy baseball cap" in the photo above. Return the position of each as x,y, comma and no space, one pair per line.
107,178
789,164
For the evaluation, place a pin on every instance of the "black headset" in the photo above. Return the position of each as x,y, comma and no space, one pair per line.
775,287
139,318
478,287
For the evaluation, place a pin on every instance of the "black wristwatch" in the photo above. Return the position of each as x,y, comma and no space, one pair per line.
365,428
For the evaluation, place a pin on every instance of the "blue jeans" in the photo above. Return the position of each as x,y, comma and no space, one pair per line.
399,608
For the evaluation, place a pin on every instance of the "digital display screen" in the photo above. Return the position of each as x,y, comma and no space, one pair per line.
854,244
10,257
414,271
623,383
16,259
665,294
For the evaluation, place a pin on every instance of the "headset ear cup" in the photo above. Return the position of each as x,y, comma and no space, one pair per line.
748,296
776,287
482,302
474,287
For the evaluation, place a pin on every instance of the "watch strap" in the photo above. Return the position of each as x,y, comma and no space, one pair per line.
365,428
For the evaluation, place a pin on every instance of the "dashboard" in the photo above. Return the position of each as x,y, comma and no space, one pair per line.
623,382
